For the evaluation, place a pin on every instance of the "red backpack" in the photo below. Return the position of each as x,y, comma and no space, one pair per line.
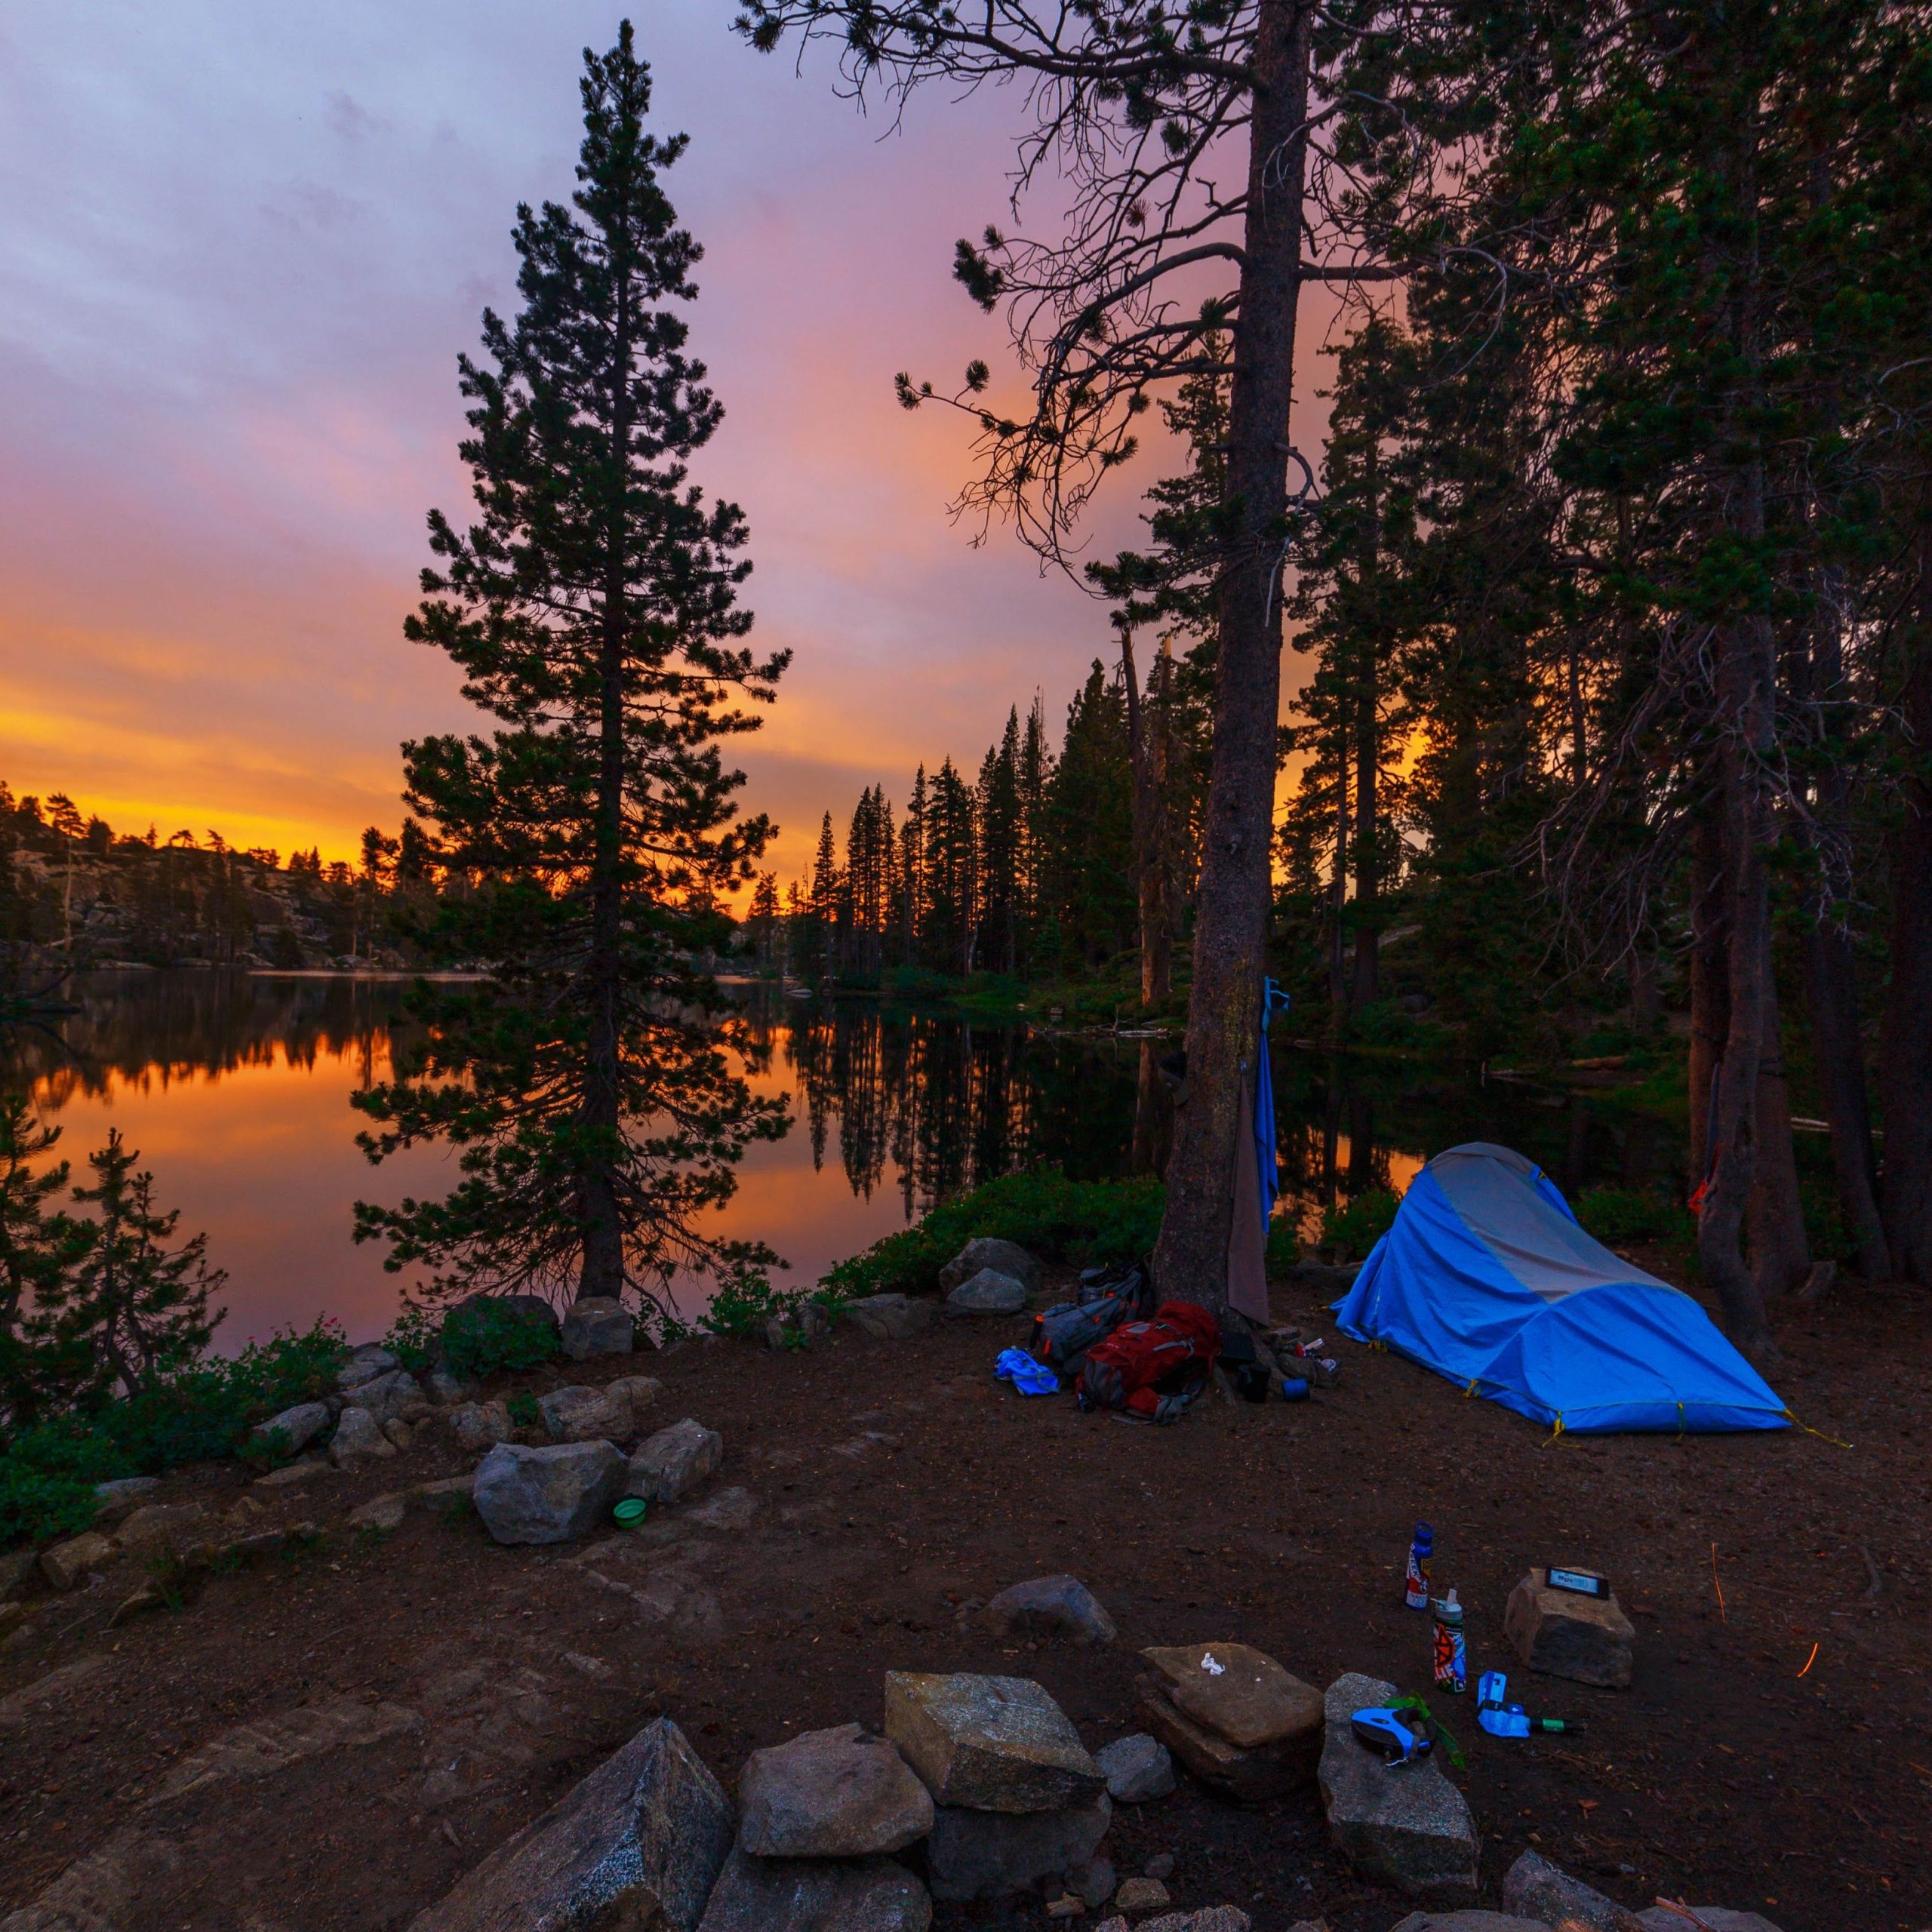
1152,1369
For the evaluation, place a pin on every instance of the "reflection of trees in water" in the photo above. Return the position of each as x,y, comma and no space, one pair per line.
165,1027
1322,1102
950,1102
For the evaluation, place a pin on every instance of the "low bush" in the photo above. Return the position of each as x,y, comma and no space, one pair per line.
1615,1214
1352,1229
47,1471
1085,1221
482,1338
745,1301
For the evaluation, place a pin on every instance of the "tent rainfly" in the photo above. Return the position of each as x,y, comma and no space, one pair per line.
1486,1278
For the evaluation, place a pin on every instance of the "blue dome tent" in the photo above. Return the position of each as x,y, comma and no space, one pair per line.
1486,1278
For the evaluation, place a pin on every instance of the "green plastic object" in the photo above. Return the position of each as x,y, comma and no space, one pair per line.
630,1511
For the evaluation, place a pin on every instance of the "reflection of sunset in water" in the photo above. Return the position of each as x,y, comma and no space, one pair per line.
260,1153
234,1087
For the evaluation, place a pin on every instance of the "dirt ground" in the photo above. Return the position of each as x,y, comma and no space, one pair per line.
330,1740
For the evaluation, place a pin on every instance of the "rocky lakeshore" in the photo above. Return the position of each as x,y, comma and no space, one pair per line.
906,1649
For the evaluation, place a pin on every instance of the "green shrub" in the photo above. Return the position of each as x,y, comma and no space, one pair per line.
745,1300
482,1337
1627,1214
48,1472
1353,1228
1283,1248
416,1337
1057,1219
523,1410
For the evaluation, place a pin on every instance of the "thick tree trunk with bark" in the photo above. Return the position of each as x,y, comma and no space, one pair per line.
603,1223
1191,1258
1905,1078
1710,978
1780,1253
1746,697
1338,900
1147,762
1368,881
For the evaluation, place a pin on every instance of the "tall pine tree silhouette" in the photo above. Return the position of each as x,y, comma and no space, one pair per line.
592,607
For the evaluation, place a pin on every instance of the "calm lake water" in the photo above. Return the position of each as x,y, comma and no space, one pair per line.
234,1087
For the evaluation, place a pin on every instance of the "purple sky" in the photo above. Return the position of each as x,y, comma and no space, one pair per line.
240,248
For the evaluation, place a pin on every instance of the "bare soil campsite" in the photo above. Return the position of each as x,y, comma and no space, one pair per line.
333,1733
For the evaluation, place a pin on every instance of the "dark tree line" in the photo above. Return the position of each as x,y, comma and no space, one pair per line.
1614,575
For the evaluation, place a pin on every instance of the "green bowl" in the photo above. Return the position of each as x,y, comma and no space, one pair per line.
630,1511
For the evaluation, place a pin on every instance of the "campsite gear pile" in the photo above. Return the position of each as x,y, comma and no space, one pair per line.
1151,1371
1501,1718
1063,1334
1415,1576
1486,1278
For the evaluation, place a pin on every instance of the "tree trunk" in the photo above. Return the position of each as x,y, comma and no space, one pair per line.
603,1272
1905,1078
1710,981
1150,836
1838,1052
1190,1260
1745,698
1780,1254
1368,938
1338,901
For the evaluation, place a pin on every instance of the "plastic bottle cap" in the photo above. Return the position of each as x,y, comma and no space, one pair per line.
1450,1601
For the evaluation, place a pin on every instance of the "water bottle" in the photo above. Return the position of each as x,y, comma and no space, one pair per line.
1452,1657
1415,1581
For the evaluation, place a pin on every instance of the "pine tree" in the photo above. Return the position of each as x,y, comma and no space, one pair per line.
952,865
592,607
40,1247
133,1310
761,920
1001,843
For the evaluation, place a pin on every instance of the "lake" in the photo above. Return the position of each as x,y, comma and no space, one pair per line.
234,1087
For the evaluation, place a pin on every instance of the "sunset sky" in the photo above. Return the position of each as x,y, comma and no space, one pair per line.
241,249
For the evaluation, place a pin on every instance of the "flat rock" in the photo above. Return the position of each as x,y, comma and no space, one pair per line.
1714,1918
1138,1769
367,1360
391,1397
639,1391
974,1854
481,1425
1252,1777
122,1494
1408,1827
597,1325
1534,1888
987,1292
272,1744
1215,1918
1003,1257
830,1793
639,1843
893,1317
118,1888
381,1512
1471,1921
1051,1607
549,1494
1587,1639
585,1415
1139,1895
296,1472
672,1462
359,1438
297,1427
993,1743
63,1564
447,1390
159,1525
816,1895
1238,1693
